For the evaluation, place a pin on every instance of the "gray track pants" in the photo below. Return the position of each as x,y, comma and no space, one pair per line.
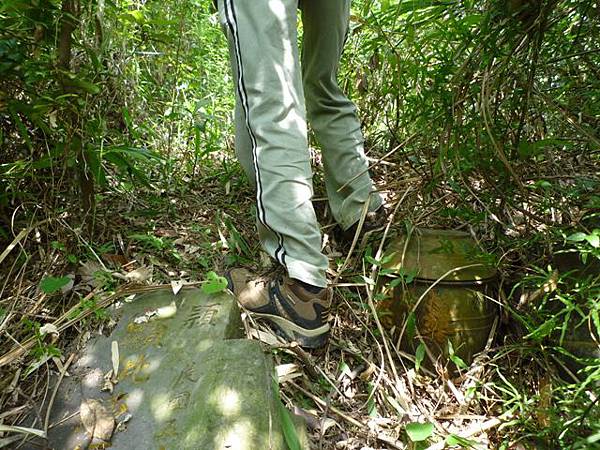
274,98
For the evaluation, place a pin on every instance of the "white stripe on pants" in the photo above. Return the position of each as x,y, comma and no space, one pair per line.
271,128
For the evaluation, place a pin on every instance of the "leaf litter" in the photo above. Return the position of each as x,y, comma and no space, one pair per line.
360,392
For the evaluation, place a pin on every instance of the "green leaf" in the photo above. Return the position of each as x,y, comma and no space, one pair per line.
410,276
596,320
96,168
368,280
371,405
289,430
137,14
592,439
395,282
290,434
453,439
593,202
419,356
88,86
542,331
455,358
593,240
214,283
458,361
372,260
50,285
56,245
418,432
150,240
413,6
473,19
542,184
129,122
577,237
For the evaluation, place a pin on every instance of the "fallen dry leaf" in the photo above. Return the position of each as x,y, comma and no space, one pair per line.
141,319
286,372
49,328
176,286
166,312
89,269
163,312
190,249
96,419
265,336
179,241
366,374
139,275
109,384
115,260
312,420
122,424
115,358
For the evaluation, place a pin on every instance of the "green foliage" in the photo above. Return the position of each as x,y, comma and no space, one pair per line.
418,432
467,73
371,404
151,241
493,110
42,350
109,115
214,283
234,241
419,356
288,427
90,305
50,285
457,360
562,325
453,439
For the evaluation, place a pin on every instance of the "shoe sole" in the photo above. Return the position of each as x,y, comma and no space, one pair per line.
316,338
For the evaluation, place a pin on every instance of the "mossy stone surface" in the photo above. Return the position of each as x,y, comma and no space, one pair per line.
188,381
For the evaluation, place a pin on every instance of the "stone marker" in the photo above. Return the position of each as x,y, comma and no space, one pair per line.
185,381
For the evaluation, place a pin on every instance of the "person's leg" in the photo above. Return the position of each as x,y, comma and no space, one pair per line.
331,114
273,145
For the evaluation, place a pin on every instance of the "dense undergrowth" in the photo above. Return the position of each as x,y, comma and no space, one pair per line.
116,154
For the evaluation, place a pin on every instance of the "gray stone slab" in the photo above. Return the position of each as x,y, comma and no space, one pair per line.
232,404
187,381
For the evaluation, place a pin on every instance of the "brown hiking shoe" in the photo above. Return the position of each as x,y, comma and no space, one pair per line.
299,314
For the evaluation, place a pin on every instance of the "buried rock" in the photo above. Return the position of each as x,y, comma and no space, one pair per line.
183,381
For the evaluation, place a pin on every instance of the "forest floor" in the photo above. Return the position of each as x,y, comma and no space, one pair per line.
360,392
479,116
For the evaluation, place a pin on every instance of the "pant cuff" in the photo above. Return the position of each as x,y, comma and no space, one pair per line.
299,270
374,205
